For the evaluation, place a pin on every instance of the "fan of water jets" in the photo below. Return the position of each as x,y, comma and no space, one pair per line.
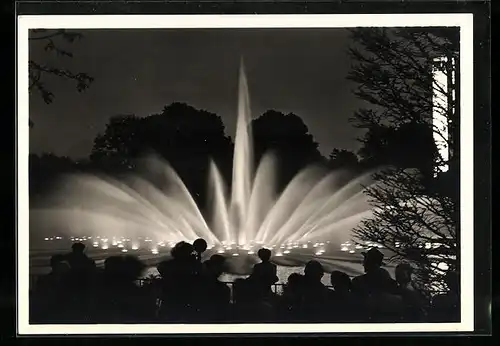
314,207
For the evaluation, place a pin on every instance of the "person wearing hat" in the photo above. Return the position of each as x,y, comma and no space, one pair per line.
377,290
376,278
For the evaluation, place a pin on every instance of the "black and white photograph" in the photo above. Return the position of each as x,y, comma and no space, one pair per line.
291,172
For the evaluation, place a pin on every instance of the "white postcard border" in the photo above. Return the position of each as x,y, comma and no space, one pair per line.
464,21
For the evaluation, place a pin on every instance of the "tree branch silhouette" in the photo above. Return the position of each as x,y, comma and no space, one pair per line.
37,71
413,217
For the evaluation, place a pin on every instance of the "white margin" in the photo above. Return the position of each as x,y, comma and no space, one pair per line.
464,21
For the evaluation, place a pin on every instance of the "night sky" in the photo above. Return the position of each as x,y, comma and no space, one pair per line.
140,71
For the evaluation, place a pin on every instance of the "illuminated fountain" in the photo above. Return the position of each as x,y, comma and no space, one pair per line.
314,212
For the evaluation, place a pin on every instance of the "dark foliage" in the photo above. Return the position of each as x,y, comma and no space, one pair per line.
416,207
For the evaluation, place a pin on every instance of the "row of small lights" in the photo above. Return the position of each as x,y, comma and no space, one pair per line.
104,242
351,248
282,249
347,246
227,246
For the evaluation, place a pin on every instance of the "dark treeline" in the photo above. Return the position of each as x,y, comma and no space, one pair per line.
188,138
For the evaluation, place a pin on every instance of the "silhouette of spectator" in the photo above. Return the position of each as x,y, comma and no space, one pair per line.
112,267
377,290
179,281
50,290
245,300
314,292
188,294
376,279
341,282
120,299
446,307
343,307
82,277
264,274
412,299
78,261
313,273
291,299
213,296
199,245
294,284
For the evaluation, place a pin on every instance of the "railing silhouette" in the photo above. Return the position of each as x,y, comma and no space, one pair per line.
276,288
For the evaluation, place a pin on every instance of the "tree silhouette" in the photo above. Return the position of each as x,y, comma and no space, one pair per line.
413,216
342,158
289,138
409,145
184,136
36,70
394,72
116,148
45,168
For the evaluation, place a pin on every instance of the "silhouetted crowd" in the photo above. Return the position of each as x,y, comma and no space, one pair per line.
189,291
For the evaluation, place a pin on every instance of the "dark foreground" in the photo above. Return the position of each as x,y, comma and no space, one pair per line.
189,290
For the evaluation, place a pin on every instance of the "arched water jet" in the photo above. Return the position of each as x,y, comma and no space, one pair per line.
289,200
158,204
315,197
220,218
351,206
263,195
350,221
331,203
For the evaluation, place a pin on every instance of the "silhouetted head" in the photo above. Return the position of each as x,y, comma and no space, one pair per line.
314,270
218,259
112,265
200,245
452,280
294,280
182,250
57,262
341,282
373,259
216,265
403,273
78,247
132,267
264,254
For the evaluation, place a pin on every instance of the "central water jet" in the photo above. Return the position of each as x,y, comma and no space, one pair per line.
242,161
315,206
